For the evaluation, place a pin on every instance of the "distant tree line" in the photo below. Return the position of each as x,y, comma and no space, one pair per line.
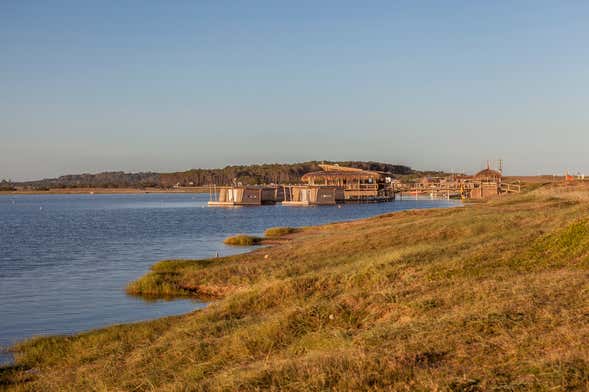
7,185
251,174
100,180
266,174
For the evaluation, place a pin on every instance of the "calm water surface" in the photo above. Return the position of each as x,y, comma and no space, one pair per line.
65,259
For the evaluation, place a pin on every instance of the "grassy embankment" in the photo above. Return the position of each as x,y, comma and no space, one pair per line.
492,296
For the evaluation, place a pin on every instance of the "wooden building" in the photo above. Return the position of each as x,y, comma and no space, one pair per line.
357,184
486,184
489,175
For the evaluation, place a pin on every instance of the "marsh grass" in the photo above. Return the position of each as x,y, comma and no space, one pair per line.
242,240
492,296
279,231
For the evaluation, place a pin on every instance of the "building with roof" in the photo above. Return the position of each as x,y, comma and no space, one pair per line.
489,175
486,184
356,184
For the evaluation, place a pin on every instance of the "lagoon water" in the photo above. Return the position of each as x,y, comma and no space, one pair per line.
65,259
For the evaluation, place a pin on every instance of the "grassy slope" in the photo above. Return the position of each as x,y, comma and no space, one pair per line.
491,296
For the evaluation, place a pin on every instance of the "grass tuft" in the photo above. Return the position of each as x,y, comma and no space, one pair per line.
156,285
279,231
243,240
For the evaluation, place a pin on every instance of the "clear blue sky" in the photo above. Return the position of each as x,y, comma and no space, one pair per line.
157,85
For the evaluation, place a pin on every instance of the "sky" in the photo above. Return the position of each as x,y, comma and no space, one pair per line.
167,86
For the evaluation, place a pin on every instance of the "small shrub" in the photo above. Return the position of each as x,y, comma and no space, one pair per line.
242,240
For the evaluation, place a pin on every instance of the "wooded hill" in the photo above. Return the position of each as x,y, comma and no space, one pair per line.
278,173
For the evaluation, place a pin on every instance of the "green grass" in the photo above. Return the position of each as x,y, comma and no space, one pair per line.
279,231
243,240
492,296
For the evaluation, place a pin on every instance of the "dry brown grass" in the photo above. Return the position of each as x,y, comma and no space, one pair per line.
486,297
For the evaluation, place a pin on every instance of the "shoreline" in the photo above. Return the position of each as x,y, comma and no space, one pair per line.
207,295
271,240
346,295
